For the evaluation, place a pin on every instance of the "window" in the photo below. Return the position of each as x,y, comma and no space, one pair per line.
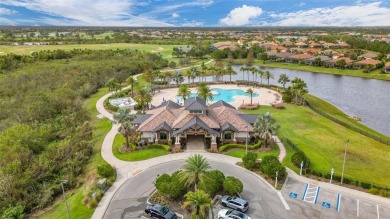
163,135
228,135
196,111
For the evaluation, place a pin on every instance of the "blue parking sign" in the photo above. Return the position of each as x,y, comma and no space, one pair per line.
293,195
325,204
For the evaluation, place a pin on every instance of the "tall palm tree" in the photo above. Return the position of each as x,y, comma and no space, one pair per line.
200,201
188,74
230,70
261,74
298,89
268,75
283,79
112,84
177,77
184,91
143,96
264,126
193,170
250,92
194,73
132,82
205,92
243,69
124,118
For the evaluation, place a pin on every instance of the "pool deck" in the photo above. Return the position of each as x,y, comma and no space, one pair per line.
266,96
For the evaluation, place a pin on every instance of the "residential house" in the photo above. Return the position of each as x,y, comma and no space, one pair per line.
195,122
364,63
223,45
369,55
301,45
315,45
298,58
333,62
278,56
312,61
311,51
387,67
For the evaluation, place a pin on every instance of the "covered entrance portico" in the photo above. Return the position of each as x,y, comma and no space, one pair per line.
192,130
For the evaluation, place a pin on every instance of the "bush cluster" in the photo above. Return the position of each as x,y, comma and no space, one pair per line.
170,186
249,160
212,183
242,146
270,164
159,146
232,185
287,97
105,170
298,157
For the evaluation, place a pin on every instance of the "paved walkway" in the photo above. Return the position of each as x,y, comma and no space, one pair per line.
126,170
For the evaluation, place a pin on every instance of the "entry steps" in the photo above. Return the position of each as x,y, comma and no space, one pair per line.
311,192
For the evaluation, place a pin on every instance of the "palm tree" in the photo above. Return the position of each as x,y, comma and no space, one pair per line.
184,91
188,74
200,201
243,69
250,92
264,126
298,89
132,82
261,74
112,84
168,76
267,75
283,79
205,92
193,170
177,77
194,73
143,97
230,70
124,118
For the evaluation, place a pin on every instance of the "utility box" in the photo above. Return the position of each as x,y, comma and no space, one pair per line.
102,184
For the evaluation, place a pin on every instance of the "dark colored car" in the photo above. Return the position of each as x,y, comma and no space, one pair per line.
235,203
159,212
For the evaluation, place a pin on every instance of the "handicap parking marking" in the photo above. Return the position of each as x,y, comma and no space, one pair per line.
311,193
293,195
326,204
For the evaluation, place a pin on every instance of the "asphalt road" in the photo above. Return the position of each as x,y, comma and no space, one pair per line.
130,200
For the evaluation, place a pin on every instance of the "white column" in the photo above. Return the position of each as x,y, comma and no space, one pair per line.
156,139
213,139
177,139
234,136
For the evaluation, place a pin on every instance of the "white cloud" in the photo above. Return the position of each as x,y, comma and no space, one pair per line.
6,11
86,12
370,14
7,22
241,15
192,24
175,15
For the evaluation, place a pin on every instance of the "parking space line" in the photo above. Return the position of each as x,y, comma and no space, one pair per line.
357,207
377,210
304,193
338,202
283,201
318,192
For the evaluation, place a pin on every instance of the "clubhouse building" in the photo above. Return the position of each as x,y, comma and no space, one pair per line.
216,123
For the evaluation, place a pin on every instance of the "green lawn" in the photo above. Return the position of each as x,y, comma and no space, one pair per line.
323,142
135,155
77,209
239,153
164,50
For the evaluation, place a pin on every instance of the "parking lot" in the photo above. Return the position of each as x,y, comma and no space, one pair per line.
313,201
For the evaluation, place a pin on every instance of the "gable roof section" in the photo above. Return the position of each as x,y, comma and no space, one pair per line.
159,115
250,118
228,126
163,127
195,103
169,104
195,121
224,114
221,103
140,118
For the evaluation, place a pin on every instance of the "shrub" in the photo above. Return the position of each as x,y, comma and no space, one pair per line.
298,157
232,185
170,186
159,146
287,97
16,212
249,160
365,185
105,170
278,105
242,146
270,165
212,183
373,191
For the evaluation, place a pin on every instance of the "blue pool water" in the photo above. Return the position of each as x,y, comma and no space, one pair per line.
225,95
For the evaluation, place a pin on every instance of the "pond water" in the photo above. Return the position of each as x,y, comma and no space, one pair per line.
368,99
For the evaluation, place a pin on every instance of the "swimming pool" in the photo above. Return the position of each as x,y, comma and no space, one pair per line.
225,95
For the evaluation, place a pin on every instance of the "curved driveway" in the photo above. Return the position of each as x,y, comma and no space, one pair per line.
130,200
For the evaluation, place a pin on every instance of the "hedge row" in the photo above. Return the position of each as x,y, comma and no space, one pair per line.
159,146
242,146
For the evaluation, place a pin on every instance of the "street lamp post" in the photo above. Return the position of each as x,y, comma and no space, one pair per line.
63,192
276,179
345,155
300,172
331,175
246,141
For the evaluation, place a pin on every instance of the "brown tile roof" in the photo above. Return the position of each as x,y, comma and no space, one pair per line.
224,114
160,115
368,62
301,56
387,64
347,60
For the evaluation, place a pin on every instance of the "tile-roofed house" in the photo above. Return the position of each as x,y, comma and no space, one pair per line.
278,56
363,63
299,57
170,104
220,120
333,62
223,45
369,55
387,67
313,60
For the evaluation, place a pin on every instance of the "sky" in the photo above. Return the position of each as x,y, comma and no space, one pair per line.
194,13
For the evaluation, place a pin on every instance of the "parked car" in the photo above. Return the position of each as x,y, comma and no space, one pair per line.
231,214
160,212
235,203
